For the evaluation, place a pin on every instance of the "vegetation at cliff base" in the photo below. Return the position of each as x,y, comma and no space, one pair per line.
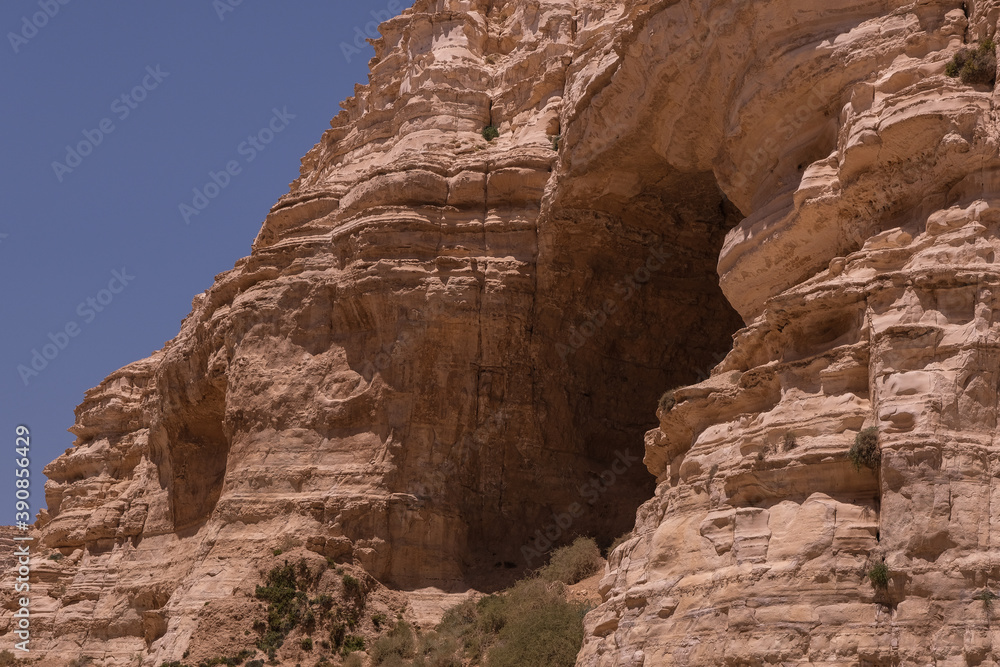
974,66
490,132
573,563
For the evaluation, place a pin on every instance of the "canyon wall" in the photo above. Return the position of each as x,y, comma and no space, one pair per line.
441,355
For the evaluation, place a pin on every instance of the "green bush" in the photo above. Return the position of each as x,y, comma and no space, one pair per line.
378,620
974,66
878,574
541,628
306,644
529,625
397,642
574,562
865,450
353,643
490,132
987,596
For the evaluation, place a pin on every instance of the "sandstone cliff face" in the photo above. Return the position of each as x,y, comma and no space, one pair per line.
433,355
438,343
865,270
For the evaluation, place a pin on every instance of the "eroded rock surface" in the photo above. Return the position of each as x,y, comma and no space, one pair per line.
434,354
441,347
866,273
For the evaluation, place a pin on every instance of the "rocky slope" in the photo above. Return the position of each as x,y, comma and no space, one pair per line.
442,353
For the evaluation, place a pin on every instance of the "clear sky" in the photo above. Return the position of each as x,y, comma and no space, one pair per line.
113,114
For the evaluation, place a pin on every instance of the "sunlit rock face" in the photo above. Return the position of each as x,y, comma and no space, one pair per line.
437,362
441,356
866,273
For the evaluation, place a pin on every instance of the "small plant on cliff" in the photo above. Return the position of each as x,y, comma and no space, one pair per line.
490,132
789,441
865,450
56,556
987,596
555,141
574,562
973,66
878,574
667,401
7,659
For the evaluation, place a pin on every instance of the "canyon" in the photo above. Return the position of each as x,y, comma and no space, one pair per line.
444,354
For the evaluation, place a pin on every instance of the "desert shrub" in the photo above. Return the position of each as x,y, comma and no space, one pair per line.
789,441
337,634
541,628
436,650
529,625
306,644
977,65
397,642
352,587
56,556
286,607
354,661
80,662
865,450
574,562
987,596
490,132
878,574
555,141
7,659
255,663
277,552
378,620
353,643
667,401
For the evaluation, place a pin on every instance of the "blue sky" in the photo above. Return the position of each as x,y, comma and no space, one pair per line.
114,114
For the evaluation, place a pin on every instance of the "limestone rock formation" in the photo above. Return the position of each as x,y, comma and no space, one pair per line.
442,353
865,271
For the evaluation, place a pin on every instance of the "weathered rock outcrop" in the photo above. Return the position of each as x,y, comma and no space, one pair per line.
433,359
866,273
442,352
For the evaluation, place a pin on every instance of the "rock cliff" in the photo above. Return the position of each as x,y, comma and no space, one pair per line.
442,353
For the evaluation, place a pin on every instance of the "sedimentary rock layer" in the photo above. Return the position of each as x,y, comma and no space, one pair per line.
436,363
865,271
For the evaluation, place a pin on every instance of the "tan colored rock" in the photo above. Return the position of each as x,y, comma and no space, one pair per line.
864,270
441,349
434,357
